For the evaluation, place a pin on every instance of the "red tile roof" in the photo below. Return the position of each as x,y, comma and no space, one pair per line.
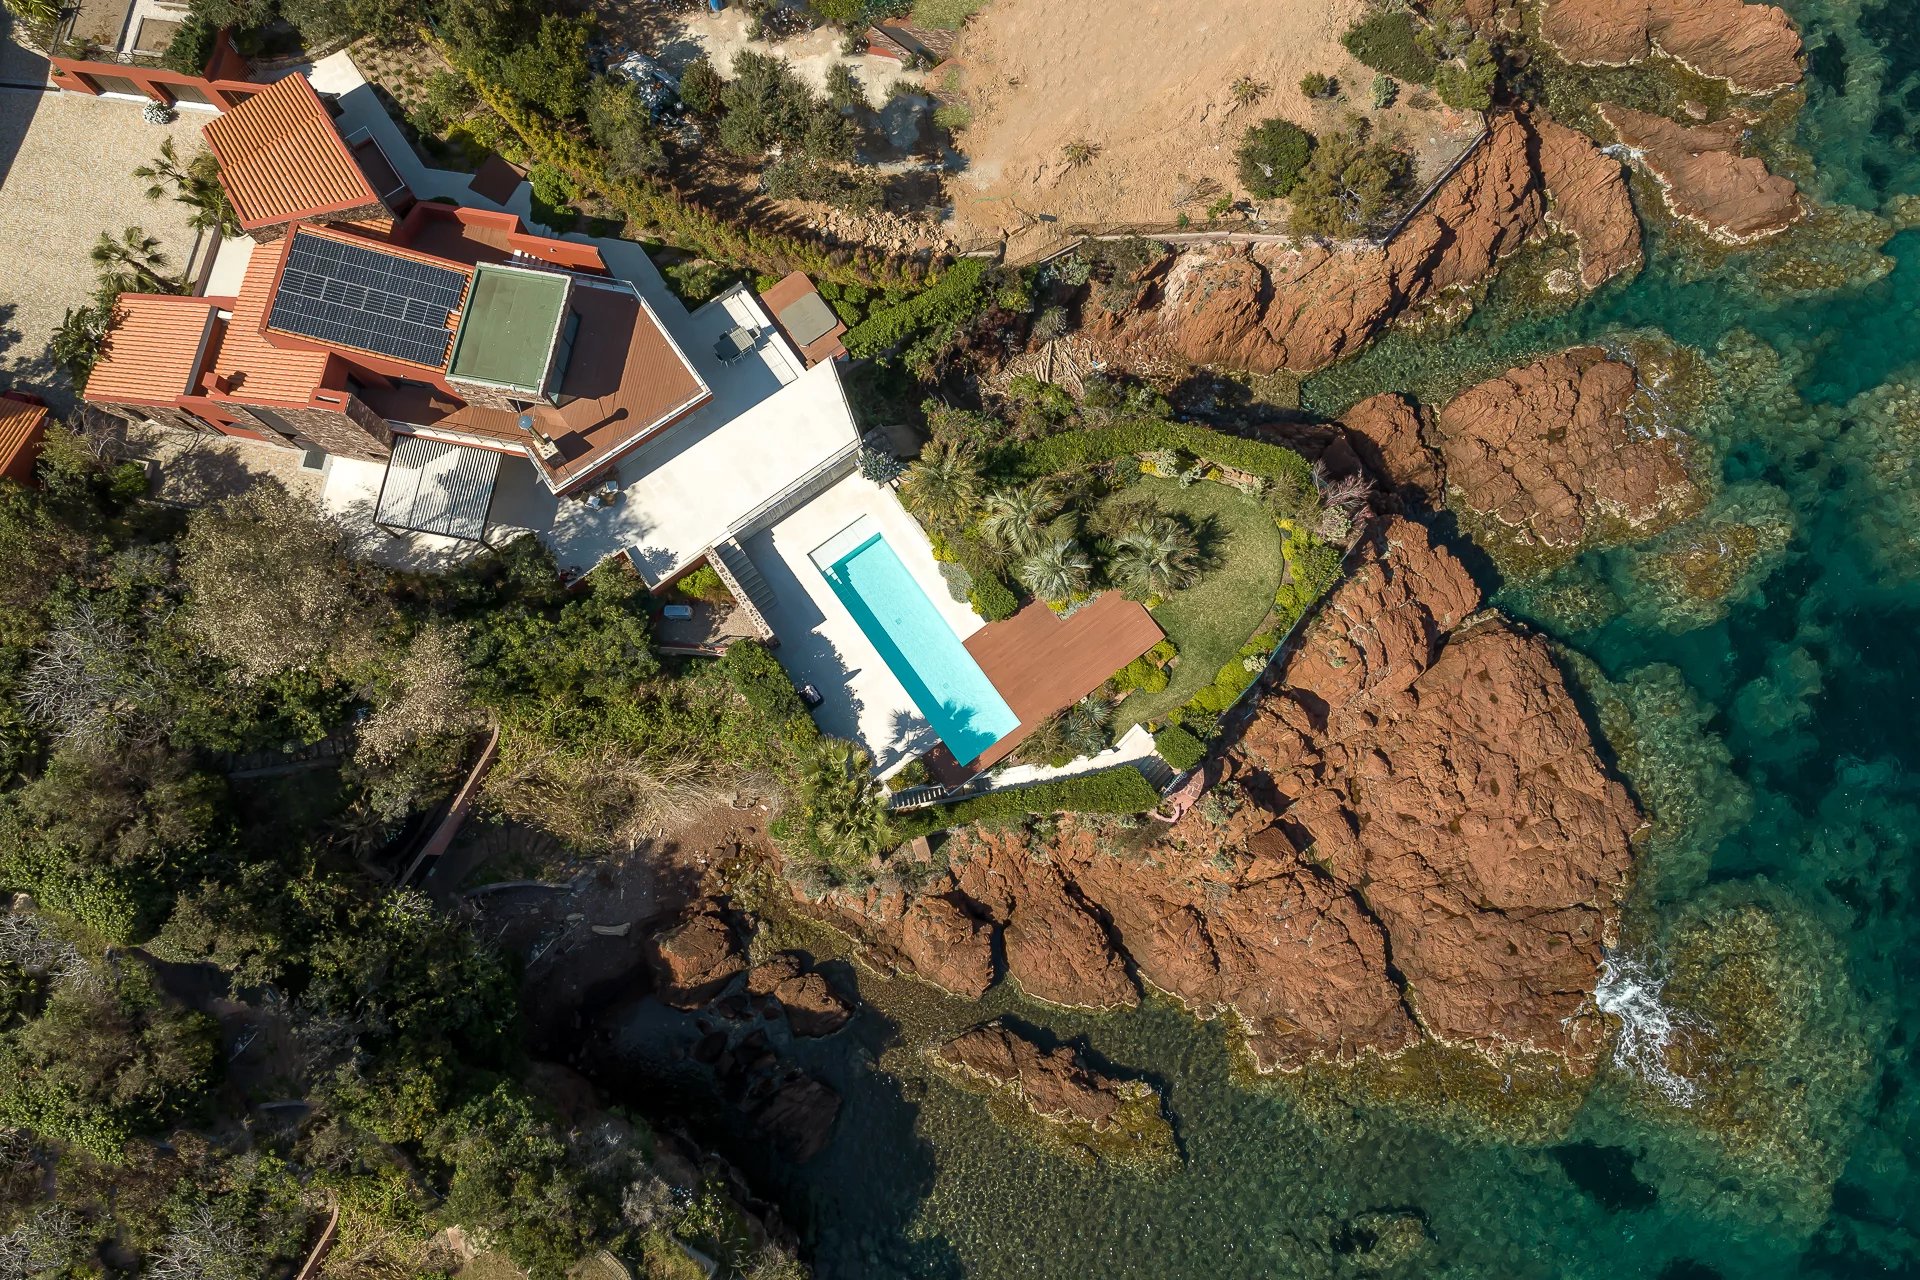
258,371
22,423
281,157
153,346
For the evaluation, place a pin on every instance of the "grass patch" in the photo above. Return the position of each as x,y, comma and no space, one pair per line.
1210,620
947,14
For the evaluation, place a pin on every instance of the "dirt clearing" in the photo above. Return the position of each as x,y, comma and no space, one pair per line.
1147,87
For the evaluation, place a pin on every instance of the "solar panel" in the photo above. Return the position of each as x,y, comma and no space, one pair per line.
356,296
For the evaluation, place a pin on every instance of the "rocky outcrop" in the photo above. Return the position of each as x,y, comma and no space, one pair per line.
1123,1117
1753,47
1589,198
1414,837
1301,307
696,959
1550,455
1388,432
1705,177
812,1006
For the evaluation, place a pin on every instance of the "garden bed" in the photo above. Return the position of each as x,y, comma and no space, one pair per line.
1210,621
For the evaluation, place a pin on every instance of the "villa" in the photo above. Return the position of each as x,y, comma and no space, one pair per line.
457,378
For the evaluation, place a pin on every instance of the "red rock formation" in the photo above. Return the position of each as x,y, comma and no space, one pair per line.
1704,176
1388,432
1414,837
1753,47
1548,451
1050,1081
1301,308
812,1006
695,959
1056,949
1590,199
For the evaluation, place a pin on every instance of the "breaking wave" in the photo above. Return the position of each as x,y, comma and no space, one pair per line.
1630,988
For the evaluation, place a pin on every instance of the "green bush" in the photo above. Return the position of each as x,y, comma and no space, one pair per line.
1271,157
1318,84
1469,87
1389,42
955,298
1179,748
1313,567
191,46
706,584
1386,91
752,669
701,86
1349,187
1141,674
1073,450
992,598
1120,790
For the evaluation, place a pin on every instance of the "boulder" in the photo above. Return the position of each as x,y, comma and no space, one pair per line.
798,1113
1704,176
812,1006
1549,453
695,960
1753,47
1051,1082
1389,433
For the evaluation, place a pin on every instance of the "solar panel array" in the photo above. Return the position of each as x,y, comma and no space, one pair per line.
356,296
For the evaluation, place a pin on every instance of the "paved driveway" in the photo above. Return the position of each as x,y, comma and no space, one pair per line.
66,163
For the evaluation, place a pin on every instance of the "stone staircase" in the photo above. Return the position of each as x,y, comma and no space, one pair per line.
730,560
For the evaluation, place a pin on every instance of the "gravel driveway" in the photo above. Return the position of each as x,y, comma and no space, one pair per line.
66,163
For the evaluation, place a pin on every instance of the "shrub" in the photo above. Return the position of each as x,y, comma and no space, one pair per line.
549,71
1386,91
757,675
1312,568
879,466
1141,674
1317,84
705,583
1469,87
701,87
1179,748
957,297
1389,42
1120,790
1272,156
1349,187
992,598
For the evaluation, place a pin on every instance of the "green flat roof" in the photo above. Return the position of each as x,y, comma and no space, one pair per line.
509,326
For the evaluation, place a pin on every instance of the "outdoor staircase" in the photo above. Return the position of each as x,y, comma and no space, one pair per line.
736,569
1158,772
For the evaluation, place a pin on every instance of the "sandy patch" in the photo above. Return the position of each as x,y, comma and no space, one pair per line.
1147,84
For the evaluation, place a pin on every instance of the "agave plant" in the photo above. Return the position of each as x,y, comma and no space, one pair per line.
1156,557
943,487
1017,519
1057,572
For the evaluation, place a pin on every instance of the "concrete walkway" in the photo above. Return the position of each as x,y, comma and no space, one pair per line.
66,175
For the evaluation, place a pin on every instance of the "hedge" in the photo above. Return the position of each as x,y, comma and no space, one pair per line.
992,598
956,297
1076,449
1179,748
666,212
1117,790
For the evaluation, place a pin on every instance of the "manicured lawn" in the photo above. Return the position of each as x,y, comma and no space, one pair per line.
1209,621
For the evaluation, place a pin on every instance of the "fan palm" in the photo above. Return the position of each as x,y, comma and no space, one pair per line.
1057,572
1017,518
1156,557
845,806
195,184
944,485
132,263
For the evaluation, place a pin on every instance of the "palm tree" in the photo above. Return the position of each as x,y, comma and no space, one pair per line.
1017,518
1057,572
845,806
943,487
132,263
195,184
1156,557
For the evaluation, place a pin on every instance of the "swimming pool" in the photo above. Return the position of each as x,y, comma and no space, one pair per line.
916,643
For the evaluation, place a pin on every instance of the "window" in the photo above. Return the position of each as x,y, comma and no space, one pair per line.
188,93
115,84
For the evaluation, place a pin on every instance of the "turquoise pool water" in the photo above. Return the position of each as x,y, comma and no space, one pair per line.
921,650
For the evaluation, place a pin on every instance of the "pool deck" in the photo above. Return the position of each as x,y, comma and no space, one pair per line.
1042,663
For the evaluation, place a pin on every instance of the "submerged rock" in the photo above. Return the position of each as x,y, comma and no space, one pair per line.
812,1006
1090,1113
1705,176
1692,575
1753,47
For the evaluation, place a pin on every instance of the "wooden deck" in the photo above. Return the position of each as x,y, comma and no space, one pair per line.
1042,663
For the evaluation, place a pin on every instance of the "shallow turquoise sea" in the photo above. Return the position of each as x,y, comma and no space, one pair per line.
1781,750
